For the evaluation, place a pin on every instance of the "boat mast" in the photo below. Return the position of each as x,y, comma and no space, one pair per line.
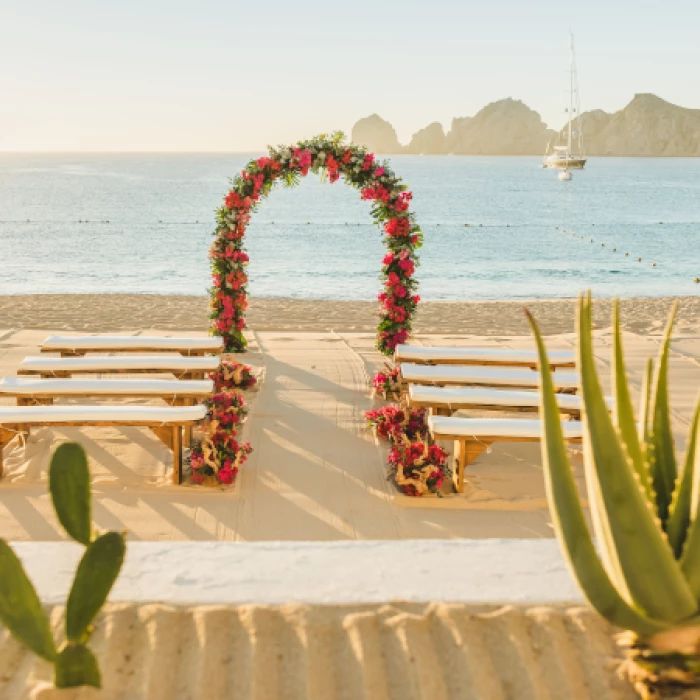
571,89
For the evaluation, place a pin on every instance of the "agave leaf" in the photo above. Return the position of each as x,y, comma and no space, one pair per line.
20,608
624,413
680,510
645,403
601,526
690,560
662,458
568,517
69,484
96,574
651,572
76,665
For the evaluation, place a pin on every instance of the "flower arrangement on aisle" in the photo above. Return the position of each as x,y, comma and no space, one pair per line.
218,456
232,375
331,157
392,422
386,383
417,468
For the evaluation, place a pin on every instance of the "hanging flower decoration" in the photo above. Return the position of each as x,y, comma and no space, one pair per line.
418,468
232,375
218,454
330,157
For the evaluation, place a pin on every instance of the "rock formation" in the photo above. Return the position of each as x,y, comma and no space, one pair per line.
376,134
430,140
506,127
647,126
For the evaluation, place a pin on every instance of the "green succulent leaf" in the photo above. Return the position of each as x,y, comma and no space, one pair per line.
624,413
690,560
680,511
76,665
20,608
645,403
96,574
635,541
69,484
662,458
568,517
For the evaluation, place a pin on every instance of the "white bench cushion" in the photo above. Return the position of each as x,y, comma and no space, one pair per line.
482,396
112,387
104,364
119,342
478,428
417,353
494,376
96,414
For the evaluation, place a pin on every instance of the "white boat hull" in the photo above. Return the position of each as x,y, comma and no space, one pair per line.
564,163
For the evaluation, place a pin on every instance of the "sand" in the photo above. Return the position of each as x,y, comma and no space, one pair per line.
311,652
113,312
316,473
378,652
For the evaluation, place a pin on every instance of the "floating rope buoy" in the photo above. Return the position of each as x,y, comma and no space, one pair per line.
696,279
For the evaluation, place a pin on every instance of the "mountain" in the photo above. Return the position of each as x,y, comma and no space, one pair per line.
376,134
506,127
647,126
429,140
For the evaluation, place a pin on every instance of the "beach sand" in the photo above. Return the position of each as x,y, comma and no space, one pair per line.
342,652
126,312
316,473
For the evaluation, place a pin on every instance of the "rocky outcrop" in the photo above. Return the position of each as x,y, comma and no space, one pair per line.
453,138
506,127
647,126
430,140
376,134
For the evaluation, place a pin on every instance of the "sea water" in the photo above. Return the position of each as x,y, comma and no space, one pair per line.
494,227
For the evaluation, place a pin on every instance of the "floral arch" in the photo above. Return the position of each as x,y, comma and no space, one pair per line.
331,157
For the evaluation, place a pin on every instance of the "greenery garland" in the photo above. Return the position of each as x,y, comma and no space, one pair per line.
331,157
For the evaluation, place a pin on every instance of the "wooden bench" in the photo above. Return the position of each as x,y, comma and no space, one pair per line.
32,391
445,400
167,422
77,346
64,367
472,436
495,357
501,377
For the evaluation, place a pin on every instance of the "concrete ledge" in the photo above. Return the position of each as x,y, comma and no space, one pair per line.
416,571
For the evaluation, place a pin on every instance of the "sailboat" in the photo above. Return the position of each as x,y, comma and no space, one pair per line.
570,155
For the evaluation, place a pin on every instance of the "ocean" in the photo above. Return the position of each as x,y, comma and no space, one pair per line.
494,228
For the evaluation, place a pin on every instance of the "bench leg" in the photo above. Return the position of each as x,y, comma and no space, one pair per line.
466,451
177,454
5,437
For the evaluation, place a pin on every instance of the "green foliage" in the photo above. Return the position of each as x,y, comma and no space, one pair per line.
69,484
76,665
646,577
20,609
96,574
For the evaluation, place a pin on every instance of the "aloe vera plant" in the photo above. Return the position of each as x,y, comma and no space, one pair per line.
644,574
20,608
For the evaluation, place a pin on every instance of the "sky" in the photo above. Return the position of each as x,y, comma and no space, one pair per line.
224,75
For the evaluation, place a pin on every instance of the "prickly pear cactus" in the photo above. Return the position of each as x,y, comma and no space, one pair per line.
20,608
